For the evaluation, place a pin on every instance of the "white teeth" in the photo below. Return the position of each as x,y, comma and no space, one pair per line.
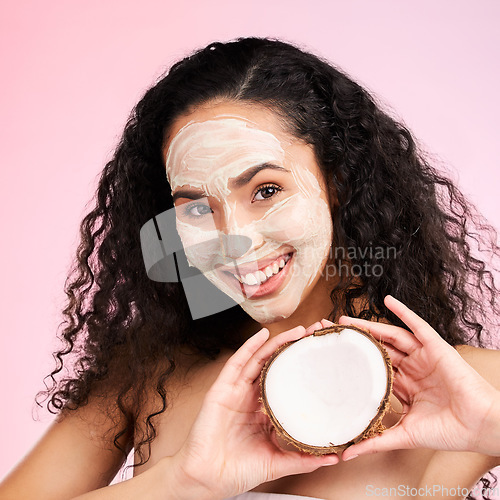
250,279
260,277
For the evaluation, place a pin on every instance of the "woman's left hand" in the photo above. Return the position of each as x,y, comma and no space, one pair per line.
447,405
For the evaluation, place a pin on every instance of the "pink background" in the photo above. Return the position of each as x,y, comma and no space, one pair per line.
71,72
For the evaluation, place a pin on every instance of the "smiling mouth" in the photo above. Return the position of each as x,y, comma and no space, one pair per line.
264,275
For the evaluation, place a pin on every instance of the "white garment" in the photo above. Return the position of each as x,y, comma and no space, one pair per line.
255,495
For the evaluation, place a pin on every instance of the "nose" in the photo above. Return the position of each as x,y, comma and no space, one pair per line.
235,245
237,234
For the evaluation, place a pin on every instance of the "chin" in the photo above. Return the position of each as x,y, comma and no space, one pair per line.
266,314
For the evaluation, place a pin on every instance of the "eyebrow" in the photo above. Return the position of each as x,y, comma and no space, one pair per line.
238,182
249,174
189,194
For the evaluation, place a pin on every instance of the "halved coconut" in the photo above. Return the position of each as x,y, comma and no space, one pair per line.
329,390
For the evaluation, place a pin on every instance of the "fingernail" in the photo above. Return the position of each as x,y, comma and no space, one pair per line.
350,458
260,332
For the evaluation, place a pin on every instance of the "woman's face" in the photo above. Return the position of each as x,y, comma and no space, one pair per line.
251,206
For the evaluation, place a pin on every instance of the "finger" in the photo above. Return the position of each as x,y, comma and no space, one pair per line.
255,364
231,372
314,327
293,462
422,330
401,394
324,323
395,354
398,337
395,438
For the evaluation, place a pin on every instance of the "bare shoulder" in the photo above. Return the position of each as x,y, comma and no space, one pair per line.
193,367
185,389
80,443
485,361
463,466
191,372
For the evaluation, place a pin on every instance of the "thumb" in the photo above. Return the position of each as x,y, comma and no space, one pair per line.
295,462
394,438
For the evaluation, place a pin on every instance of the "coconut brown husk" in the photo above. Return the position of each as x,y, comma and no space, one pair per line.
375,426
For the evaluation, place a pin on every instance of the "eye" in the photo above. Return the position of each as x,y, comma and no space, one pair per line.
265,192
196,210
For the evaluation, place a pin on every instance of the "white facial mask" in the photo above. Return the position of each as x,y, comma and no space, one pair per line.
205,156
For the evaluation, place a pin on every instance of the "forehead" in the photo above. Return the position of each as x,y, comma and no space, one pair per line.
255,115
218,142
221,148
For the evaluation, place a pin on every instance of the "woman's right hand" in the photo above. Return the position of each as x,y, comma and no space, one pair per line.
232,445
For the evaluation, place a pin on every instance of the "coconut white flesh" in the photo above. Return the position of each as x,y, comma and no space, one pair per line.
325,390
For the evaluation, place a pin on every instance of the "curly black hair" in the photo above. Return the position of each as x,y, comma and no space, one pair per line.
120,326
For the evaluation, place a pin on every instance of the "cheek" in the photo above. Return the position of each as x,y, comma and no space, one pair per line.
301,220
200,246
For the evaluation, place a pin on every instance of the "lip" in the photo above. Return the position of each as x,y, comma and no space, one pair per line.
267,288
251,267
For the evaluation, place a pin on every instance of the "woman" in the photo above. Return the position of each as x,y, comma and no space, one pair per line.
285,176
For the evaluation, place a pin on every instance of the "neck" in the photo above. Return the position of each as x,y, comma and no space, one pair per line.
315,307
